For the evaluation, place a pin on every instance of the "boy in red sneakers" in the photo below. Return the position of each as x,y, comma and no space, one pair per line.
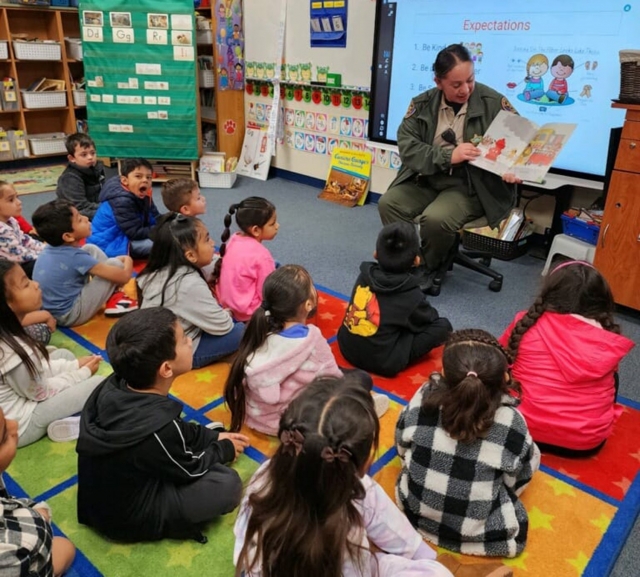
75,280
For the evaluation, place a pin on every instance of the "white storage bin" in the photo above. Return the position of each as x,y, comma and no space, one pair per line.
206,78
48,143
48,99
204,37
4,50
74,48
36,50
216,179
79,97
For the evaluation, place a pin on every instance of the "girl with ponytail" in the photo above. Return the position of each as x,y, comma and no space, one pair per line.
567,348
466,452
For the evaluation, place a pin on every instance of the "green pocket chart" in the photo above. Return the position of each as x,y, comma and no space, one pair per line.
140,70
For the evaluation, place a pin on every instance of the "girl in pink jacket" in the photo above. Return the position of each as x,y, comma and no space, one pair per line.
567,347
280,354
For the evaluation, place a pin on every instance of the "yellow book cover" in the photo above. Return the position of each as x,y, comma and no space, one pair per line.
349,175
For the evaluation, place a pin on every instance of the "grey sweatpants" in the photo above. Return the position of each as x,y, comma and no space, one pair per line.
443,205
94,294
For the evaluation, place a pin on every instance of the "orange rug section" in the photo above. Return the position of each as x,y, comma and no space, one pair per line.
580,510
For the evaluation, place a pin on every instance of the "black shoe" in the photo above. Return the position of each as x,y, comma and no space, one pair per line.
425,279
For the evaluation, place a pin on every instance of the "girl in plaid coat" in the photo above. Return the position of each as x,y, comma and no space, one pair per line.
467,453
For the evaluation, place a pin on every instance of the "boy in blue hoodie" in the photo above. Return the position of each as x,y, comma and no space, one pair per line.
127,212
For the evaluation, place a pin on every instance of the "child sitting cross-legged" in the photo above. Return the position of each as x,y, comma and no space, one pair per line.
143,472
466,452
127,213
389,322
280,354
27,544
77,281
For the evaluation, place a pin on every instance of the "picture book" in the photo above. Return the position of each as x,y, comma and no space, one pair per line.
349,176
514,144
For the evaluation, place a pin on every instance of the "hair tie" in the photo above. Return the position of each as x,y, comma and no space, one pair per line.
292,442
329,455
472,374
264,305
568,262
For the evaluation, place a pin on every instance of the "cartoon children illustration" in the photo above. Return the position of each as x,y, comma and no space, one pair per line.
236,32
561,68
537,67
224,79
238,79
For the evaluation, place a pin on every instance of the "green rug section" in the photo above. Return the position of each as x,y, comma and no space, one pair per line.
34,180
160,559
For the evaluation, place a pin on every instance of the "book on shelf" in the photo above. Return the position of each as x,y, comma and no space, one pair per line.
514,144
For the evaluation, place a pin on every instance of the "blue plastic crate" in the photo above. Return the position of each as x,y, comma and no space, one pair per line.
59,2
580,229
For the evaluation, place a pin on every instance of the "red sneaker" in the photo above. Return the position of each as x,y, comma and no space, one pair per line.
120,304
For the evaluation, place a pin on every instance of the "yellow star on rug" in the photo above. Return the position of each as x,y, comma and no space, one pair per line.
579,562
182,554
601,522
204,376
540,520
518,562
58,449
561,488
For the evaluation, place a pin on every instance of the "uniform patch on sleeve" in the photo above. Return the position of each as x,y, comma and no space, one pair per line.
411,110
506,105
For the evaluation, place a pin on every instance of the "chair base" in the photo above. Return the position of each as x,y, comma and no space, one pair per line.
475,260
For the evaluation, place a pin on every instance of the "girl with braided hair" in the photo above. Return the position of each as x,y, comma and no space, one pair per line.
567,348
466,452
280,354
244,262
312,511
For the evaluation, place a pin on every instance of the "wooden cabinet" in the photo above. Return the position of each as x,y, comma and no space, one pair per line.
43,23
618,251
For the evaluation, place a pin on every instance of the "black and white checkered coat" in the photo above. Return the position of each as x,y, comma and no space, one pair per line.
25,539
464,496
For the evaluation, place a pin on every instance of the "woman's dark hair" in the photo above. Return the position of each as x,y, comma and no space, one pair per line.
252,211
172,237
284,291
468,394
139,343
448,58
301,518
572,287
12,331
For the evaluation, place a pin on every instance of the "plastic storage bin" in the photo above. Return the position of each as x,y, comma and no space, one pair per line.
48,99
37,50
216,179
496,248
4,50
206,78
204,37
74,48
580,229
79,98
47,143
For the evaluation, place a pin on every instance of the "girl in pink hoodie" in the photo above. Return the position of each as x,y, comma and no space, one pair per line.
280,354
567,347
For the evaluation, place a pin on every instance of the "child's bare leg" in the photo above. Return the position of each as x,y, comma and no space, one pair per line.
63,553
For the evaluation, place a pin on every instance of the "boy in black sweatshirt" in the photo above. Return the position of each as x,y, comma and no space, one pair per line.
143,472
389,323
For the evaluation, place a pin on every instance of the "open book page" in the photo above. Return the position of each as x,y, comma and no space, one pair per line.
504,142
538,157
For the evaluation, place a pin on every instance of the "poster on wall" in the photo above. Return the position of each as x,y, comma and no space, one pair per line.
328,24
255,157
230,41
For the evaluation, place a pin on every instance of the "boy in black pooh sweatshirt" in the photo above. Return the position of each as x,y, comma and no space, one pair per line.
389,323
143,472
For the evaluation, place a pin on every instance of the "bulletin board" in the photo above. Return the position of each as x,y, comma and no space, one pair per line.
262,26
140,69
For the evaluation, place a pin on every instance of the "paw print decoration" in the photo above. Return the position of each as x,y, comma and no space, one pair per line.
230,126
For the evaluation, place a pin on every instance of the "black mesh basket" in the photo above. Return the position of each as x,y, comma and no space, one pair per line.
496,248
630,76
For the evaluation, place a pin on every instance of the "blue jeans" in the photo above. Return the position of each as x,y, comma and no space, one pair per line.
141,248
212,348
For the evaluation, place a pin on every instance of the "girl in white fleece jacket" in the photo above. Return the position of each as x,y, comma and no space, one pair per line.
38,388
280,354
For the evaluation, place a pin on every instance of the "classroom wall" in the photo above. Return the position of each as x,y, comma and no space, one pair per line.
262,27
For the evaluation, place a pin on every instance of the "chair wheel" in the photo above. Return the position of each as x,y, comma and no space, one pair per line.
434,290
495,286
486,261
